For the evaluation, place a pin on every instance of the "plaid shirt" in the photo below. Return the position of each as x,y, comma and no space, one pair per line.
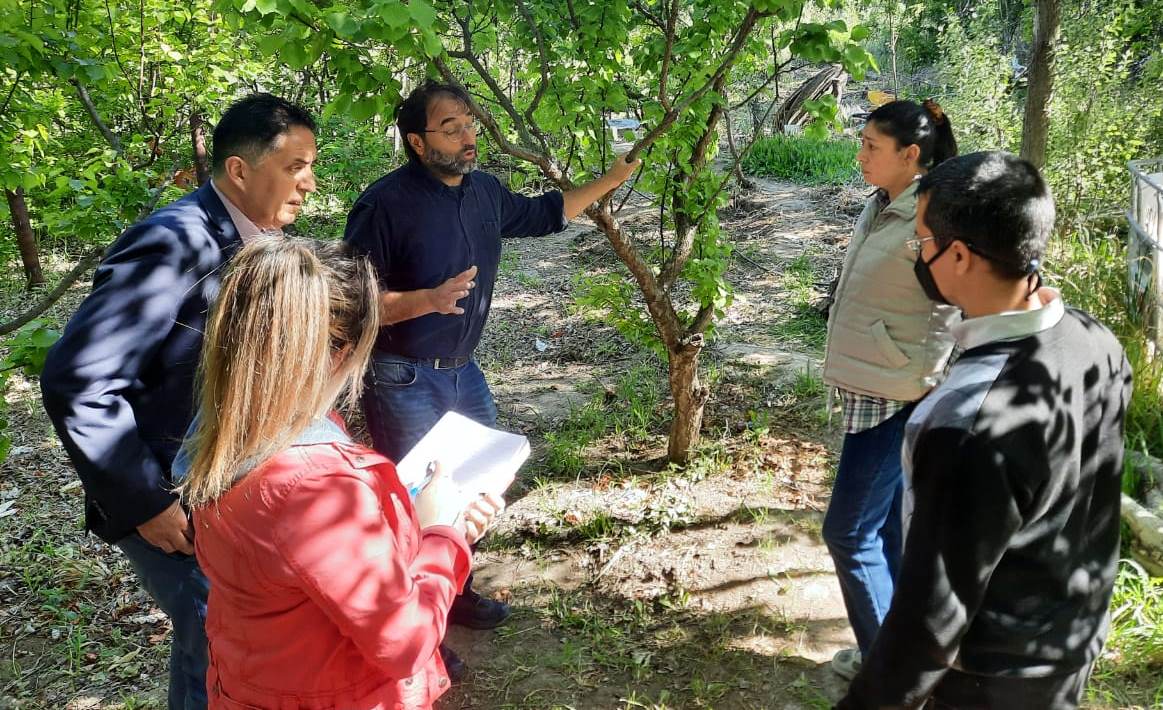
862,412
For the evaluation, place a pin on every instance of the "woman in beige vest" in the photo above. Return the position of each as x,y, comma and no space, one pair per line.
888,345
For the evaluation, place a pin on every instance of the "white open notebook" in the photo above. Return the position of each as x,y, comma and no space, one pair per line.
477,459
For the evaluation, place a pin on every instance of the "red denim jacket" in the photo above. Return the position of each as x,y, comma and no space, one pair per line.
324,592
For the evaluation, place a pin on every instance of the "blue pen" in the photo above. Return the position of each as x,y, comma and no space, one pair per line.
431,471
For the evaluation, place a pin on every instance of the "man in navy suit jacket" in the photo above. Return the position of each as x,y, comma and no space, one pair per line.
119,384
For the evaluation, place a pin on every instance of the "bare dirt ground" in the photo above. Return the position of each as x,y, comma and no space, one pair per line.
634,585
735,604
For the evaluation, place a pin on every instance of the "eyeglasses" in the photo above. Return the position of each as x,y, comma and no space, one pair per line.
915,244
454,133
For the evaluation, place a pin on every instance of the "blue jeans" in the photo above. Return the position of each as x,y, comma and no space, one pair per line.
862,527
177,585
402,400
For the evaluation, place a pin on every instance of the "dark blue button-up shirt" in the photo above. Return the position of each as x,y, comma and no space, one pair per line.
419,232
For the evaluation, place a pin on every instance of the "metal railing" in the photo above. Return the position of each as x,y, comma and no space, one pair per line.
1145,246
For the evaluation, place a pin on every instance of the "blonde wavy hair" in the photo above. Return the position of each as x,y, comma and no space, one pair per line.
292,329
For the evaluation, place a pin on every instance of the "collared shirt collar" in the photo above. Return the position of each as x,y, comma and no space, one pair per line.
247,229
424,174
1011,325
322,431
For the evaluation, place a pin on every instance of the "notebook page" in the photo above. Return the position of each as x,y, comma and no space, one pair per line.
477,459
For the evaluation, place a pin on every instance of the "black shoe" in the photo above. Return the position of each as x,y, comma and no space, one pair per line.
476,612
455,667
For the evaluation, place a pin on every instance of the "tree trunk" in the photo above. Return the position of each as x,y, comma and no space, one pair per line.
1036,124
95,117
743,181
198,140
690,395
831,79
892,32
25,239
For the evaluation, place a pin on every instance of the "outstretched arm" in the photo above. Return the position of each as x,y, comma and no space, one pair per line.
579,198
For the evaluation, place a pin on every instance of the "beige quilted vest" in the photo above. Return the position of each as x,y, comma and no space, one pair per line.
885,337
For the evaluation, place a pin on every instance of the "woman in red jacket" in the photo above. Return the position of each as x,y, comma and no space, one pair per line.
329,588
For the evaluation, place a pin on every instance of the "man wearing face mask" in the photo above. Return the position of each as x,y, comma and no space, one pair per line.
433,230
119,384
1015,463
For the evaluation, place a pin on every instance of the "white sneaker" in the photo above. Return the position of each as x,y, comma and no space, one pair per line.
846,663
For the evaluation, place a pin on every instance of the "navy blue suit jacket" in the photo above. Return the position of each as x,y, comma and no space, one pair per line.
119,384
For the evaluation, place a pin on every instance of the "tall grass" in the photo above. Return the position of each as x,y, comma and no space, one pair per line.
803,160
1091,270
1130,671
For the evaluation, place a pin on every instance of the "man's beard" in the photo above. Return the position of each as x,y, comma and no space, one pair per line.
448,163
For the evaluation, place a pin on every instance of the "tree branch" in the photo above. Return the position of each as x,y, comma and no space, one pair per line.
766,83
666,55
141,55
735,165
702,320
531,138
116,53
657,300
11,92
544,61
685,229
572,15
548,167
740,39
645,12
86,263
87,101
735,154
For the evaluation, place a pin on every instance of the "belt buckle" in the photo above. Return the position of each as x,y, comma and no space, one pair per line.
435,363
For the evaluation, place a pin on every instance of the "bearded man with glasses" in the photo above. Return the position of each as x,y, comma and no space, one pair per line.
433,230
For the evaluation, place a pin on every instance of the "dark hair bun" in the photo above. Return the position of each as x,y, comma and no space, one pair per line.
934,110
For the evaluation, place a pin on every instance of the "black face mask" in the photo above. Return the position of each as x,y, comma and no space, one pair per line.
925,276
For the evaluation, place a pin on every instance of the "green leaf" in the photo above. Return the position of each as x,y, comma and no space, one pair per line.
395,14
422,13
343,24
271,44
295,55
364,108
317,46
304,8
432,45
44,337
266,7
340,105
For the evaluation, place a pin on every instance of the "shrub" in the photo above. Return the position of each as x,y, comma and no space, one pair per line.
1090,268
